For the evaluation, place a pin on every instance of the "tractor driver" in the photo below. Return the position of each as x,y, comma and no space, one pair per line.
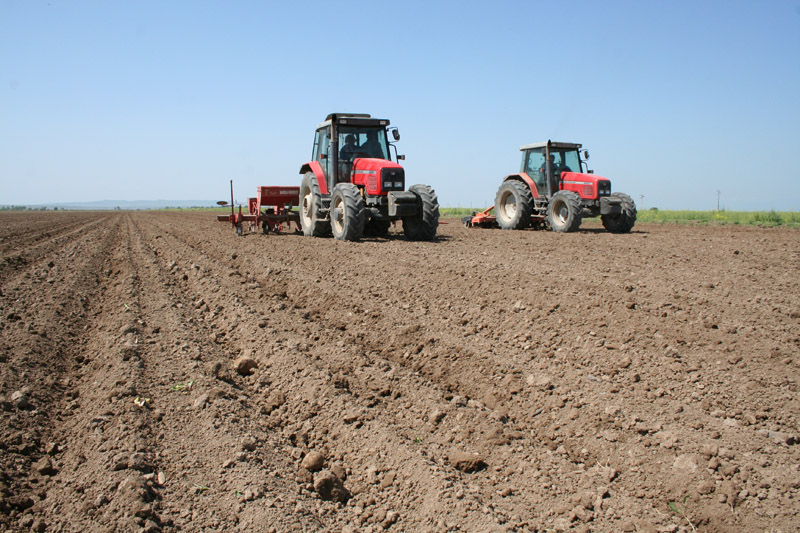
372,146
349,149
543,168
555,168
562,167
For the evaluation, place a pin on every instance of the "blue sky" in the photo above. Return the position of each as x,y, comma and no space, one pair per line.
144,100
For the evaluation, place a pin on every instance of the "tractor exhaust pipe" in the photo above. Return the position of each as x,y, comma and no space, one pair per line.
548,170
333,176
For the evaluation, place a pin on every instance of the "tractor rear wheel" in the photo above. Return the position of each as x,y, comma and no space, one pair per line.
422,226
564,211
347,212
512,205
377,228
624,221
312,223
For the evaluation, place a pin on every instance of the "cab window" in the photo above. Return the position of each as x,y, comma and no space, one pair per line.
362,142
321,143
535,167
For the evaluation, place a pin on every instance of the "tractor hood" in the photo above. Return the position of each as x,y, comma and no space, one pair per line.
580,176
588,186
378,176
371,163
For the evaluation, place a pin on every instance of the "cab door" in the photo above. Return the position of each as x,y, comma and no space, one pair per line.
322,143
534,166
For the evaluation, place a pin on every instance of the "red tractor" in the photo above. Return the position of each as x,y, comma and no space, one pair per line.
551,189
352,188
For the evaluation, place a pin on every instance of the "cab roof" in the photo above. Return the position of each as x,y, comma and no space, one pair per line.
361,119
553,144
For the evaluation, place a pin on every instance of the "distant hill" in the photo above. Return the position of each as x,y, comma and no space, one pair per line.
126,204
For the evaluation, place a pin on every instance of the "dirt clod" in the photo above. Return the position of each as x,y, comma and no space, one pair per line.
21,399
466,462
313,461
245,366
330,487
44,466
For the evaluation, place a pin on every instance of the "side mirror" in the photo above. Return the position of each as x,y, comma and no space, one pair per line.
396,134
586,154
401,158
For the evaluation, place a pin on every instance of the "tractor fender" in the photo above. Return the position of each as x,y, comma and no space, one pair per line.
316,168
523,177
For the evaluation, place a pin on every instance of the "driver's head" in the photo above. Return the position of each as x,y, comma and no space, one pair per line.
350,139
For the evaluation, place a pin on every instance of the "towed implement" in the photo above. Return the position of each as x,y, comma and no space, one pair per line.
551,190
270,209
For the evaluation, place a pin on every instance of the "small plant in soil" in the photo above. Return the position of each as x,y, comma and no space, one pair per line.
183,387
680,509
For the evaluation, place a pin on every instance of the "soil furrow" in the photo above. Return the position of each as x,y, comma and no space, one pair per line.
491,434
33,247
492,380
375,388
49,309
197,370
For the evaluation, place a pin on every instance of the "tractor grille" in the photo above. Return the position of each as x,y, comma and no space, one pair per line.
603,188
393,179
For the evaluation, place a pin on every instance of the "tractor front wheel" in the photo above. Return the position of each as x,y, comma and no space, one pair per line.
624,221
347,212
512,205
312,223
422,226
564,211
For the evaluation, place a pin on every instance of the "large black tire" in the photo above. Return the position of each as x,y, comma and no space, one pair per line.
564,211
312,222
623,222
423,225
376,227
347,212
512,205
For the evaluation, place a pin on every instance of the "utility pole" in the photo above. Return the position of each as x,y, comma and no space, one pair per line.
718,193
641,202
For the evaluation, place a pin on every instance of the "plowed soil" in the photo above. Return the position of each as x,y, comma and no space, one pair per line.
159,373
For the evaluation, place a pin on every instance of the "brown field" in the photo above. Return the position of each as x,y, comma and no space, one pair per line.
490,381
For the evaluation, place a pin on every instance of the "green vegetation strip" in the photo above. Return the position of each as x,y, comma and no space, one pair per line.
658,216
743,218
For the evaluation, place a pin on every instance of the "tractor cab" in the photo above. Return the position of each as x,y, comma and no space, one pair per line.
343,139
544,163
